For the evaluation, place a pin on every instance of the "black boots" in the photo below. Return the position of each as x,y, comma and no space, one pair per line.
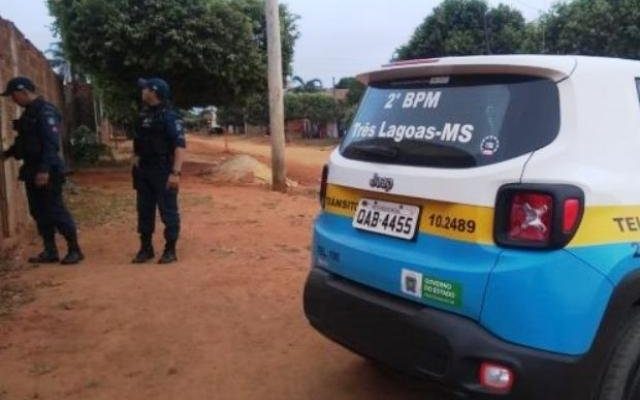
49,255
74,254
46,257
169,255
146,252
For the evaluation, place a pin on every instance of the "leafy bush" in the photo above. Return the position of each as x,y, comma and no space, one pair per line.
317,107
85,147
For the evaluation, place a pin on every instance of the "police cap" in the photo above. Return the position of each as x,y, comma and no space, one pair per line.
17,84
160,86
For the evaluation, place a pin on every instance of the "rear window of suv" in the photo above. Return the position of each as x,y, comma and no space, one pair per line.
454,122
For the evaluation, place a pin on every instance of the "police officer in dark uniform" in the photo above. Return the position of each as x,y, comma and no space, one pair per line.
159,145
43,171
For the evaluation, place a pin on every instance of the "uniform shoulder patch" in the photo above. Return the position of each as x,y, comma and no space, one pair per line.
48,112
49,115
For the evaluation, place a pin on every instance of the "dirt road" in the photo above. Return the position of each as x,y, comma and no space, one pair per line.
226,322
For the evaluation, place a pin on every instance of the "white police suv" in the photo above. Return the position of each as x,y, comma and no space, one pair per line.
480,227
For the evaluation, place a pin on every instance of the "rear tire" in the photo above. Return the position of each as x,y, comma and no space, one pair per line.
622,377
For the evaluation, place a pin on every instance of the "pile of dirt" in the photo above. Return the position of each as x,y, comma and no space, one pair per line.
241,169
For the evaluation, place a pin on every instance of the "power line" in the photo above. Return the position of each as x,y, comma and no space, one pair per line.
522,3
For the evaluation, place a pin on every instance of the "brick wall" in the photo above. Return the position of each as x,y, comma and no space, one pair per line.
18,56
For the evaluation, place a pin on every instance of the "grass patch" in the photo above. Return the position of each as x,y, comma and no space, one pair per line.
14,294
39,369
192,200
68,305
6,266
93,207
93,384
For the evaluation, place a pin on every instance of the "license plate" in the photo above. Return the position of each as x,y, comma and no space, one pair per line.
387,218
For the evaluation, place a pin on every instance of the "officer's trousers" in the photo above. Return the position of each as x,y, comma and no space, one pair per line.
152,193
48,209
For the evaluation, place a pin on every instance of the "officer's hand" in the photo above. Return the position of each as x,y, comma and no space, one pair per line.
42,179
173,183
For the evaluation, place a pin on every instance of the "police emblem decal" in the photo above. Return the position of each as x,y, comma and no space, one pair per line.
490,145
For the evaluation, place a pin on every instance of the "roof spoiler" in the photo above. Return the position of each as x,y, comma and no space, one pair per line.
556,68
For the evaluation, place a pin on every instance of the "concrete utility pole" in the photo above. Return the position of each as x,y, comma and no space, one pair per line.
276,98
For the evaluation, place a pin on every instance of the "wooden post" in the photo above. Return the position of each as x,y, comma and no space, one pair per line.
276,97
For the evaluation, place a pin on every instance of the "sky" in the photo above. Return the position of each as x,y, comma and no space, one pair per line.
338,37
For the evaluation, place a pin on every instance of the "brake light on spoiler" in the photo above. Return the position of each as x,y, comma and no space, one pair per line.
415,61
537,216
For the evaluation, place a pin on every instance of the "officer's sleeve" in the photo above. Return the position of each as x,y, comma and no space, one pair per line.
175,130
136,134
49,122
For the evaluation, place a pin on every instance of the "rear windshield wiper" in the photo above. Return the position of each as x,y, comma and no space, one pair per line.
373,149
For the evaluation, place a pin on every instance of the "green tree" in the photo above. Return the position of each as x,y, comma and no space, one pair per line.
592,27
350,107
533,41
254,9
312,85
318,108
256,109
252,110
465,27
211,51
506,29
61,64
355,87
231,115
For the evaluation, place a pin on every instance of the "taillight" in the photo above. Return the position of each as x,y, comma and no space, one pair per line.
537,216
323,184
572,214
530,217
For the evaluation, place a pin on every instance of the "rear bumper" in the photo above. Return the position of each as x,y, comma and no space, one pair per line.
438,345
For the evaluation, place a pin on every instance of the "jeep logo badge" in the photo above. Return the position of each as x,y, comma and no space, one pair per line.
379,182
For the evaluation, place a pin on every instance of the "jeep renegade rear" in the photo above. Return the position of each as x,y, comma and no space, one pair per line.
480,226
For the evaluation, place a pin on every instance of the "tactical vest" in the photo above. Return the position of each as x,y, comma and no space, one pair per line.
151,142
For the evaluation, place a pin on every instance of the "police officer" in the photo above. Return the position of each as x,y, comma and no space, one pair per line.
43,171
159,145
